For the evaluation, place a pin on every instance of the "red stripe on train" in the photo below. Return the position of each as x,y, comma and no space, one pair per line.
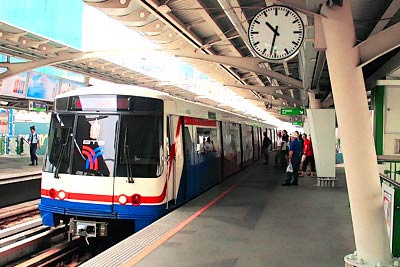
106,198
200,122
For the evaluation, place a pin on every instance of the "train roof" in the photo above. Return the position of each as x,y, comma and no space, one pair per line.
179,107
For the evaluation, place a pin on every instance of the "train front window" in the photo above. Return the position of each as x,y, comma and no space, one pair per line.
60,138
140,146
94,145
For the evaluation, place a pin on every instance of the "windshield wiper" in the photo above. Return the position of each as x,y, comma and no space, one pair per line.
61,155
129,172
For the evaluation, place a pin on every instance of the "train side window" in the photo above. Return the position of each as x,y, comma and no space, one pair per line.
207,140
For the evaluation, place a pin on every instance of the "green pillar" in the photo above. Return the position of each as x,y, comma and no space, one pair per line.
379,95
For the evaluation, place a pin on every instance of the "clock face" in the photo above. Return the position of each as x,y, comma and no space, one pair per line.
276,33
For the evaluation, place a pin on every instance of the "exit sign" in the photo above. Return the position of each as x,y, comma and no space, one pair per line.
292,111
297,123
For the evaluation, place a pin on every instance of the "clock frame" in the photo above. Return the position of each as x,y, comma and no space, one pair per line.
276,33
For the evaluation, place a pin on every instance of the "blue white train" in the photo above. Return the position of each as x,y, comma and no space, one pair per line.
123,157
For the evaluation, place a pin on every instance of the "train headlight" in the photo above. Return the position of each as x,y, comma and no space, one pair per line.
122,199
62,195
52,193
136,199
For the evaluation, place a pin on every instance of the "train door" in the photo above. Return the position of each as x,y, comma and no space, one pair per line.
176,185
189,157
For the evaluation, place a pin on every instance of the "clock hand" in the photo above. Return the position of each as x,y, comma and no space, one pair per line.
273,40
272,28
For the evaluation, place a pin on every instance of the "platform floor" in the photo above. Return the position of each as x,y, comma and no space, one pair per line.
13,165
257,223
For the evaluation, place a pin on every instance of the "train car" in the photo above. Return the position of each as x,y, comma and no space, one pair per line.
120,158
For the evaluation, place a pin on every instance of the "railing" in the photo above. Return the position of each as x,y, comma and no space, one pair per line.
389,166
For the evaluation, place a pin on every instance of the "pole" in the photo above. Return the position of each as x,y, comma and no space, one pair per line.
362,175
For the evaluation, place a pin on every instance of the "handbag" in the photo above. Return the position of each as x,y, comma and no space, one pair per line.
289,167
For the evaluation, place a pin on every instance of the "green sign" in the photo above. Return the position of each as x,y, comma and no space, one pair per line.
297,123
37,106
292,111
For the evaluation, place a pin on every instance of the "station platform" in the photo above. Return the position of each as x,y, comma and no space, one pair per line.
247,220
13,165
19,182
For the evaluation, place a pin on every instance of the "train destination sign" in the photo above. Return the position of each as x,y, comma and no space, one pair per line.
292,111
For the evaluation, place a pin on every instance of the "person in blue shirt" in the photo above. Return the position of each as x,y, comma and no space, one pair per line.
33,142
295,152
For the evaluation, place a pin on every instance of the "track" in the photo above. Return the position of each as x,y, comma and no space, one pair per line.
18,213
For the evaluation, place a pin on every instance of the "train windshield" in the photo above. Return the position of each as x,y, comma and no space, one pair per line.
91,144
94,145
140,146
60,138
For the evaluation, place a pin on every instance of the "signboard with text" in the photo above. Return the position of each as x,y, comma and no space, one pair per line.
37,106
292,111
297,123
14,86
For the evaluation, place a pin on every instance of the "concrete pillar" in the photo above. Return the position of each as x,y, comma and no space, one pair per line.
314,103
349,93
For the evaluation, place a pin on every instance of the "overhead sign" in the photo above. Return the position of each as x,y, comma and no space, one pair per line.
37,106
297,123
292,111
42,86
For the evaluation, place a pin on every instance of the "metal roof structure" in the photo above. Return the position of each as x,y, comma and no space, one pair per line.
212,35
216,31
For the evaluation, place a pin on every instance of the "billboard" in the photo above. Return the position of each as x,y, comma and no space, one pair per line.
67,86
42,87
3,122
14,86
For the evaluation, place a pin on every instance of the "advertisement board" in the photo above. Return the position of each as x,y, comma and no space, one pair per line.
3,122
67,86
388,207
41,86
14,86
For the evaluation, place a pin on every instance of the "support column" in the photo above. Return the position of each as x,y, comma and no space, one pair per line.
349,93
314,103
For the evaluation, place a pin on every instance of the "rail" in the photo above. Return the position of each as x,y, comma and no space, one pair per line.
389,166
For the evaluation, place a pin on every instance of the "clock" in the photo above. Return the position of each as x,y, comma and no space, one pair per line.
276,33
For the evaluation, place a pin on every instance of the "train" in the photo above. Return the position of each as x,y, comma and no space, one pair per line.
121,157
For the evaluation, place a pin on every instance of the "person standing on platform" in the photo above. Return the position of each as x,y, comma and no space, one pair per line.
308,151
295,152
265,147
278,150
284,148
33,143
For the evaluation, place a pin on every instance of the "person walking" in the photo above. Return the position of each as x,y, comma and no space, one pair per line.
33,143
308,151
295,152
265,147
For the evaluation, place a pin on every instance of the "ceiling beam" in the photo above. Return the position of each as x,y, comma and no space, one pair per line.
269,90
389,13
379,44
318,69
250,64
391,65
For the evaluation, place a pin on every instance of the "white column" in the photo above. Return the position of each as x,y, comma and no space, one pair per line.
351,105
314,103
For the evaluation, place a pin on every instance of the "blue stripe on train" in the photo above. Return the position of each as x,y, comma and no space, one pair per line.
143,215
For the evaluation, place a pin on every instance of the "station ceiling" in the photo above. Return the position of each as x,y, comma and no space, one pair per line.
217,28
